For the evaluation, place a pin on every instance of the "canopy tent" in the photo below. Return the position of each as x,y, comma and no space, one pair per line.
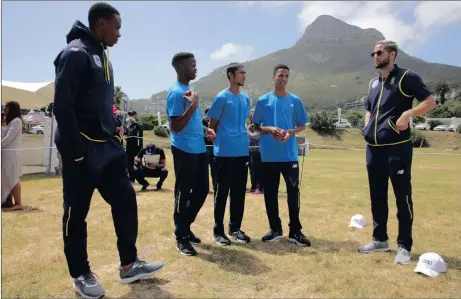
28,95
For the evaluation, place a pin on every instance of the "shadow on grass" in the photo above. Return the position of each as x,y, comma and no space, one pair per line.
232,260
318,245
148,288
153,190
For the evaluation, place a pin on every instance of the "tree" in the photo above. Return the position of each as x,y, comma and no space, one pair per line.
458,94
119,96
442,89
322,123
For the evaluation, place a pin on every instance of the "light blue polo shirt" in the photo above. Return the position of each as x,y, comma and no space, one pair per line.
230,111
191,138
286,113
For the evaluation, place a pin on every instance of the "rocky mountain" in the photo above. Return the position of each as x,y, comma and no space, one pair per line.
330,63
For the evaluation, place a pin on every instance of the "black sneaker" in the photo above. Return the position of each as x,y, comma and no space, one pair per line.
185,248
272,236
159,186
193,239
299,239
139,269
144,186
240,236
222,240
88,286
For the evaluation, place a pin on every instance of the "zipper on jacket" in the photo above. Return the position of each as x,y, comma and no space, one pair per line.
377,110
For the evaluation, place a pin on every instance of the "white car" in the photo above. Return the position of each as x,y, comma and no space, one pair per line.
453,128
426,127
441,128
38,129
344,123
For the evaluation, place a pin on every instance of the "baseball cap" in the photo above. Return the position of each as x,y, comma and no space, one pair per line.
358,221
431,264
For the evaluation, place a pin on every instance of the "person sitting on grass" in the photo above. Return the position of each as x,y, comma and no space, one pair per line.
153,166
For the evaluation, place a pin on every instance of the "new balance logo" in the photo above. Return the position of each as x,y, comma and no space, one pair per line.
400,171
295,166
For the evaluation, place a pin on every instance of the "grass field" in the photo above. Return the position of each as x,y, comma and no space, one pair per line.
334,188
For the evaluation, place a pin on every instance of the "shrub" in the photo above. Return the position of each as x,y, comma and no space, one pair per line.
161,132
322,122
418,139
459,129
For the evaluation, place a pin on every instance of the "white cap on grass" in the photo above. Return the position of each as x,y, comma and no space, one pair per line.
431,264
358,221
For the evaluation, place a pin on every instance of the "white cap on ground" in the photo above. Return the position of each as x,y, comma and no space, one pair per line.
431,264
358,221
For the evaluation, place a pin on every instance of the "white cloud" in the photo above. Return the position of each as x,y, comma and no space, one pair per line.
230,52
429,17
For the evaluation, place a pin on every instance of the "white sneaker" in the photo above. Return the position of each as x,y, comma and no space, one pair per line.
403,256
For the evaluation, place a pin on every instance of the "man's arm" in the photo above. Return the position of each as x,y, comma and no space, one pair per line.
367,117
301,118
180,118
70,68
413,86
162,160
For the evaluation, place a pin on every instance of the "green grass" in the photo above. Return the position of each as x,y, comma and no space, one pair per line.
334,188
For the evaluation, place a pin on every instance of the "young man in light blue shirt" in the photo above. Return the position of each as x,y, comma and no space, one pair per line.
227,114
189,152
278,116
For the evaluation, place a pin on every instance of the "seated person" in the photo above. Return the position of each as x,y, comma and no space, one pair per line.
150,163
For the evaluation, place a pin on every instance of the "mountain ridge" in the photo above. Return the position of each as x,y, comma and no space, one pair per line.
329,63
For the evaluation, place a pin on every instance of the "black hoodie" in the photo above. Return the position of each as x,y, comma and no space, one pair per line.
84,94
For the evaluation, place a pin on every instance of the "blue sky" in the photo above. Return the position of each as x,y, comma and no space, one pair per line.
33,33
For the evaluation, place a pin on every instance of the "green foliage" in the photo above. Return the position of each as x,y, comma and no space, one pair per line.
459,129
161,132
451,108
147,121
119,96
419,120
355,118
418,139
322,122
442,88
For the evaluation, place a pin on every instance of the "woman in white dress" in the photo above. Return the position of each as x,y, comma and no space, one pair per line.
12,125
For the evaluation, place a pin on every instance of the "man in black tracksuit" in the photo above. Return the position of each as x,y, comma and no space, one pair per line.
134,141
92,158
390,150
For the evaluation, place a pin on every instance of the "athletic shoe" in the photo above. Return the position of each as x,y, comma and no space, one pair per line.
403,256
88,286
222,240
258,192
375,246
185,248
249,190
272,236
159,186
240,236
193,239
144,186
299,239
138,270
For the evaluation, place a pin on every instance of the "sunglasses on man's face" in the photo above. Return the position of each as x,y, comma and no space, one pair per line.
379,53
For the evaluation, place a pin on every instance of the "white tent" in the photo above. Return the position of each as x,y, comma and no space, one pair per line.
35,96
28,95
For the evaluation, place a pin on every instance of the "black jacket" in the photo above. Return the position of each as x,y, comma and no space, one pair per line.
387,99
84,93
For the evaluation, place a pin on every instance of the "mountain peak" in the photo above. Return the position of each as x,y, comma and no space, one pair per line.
326,28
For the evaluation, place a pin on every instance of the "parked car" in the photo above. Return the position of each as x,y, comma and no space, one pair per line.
38,129
441,128
343,123
453,128
426,127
